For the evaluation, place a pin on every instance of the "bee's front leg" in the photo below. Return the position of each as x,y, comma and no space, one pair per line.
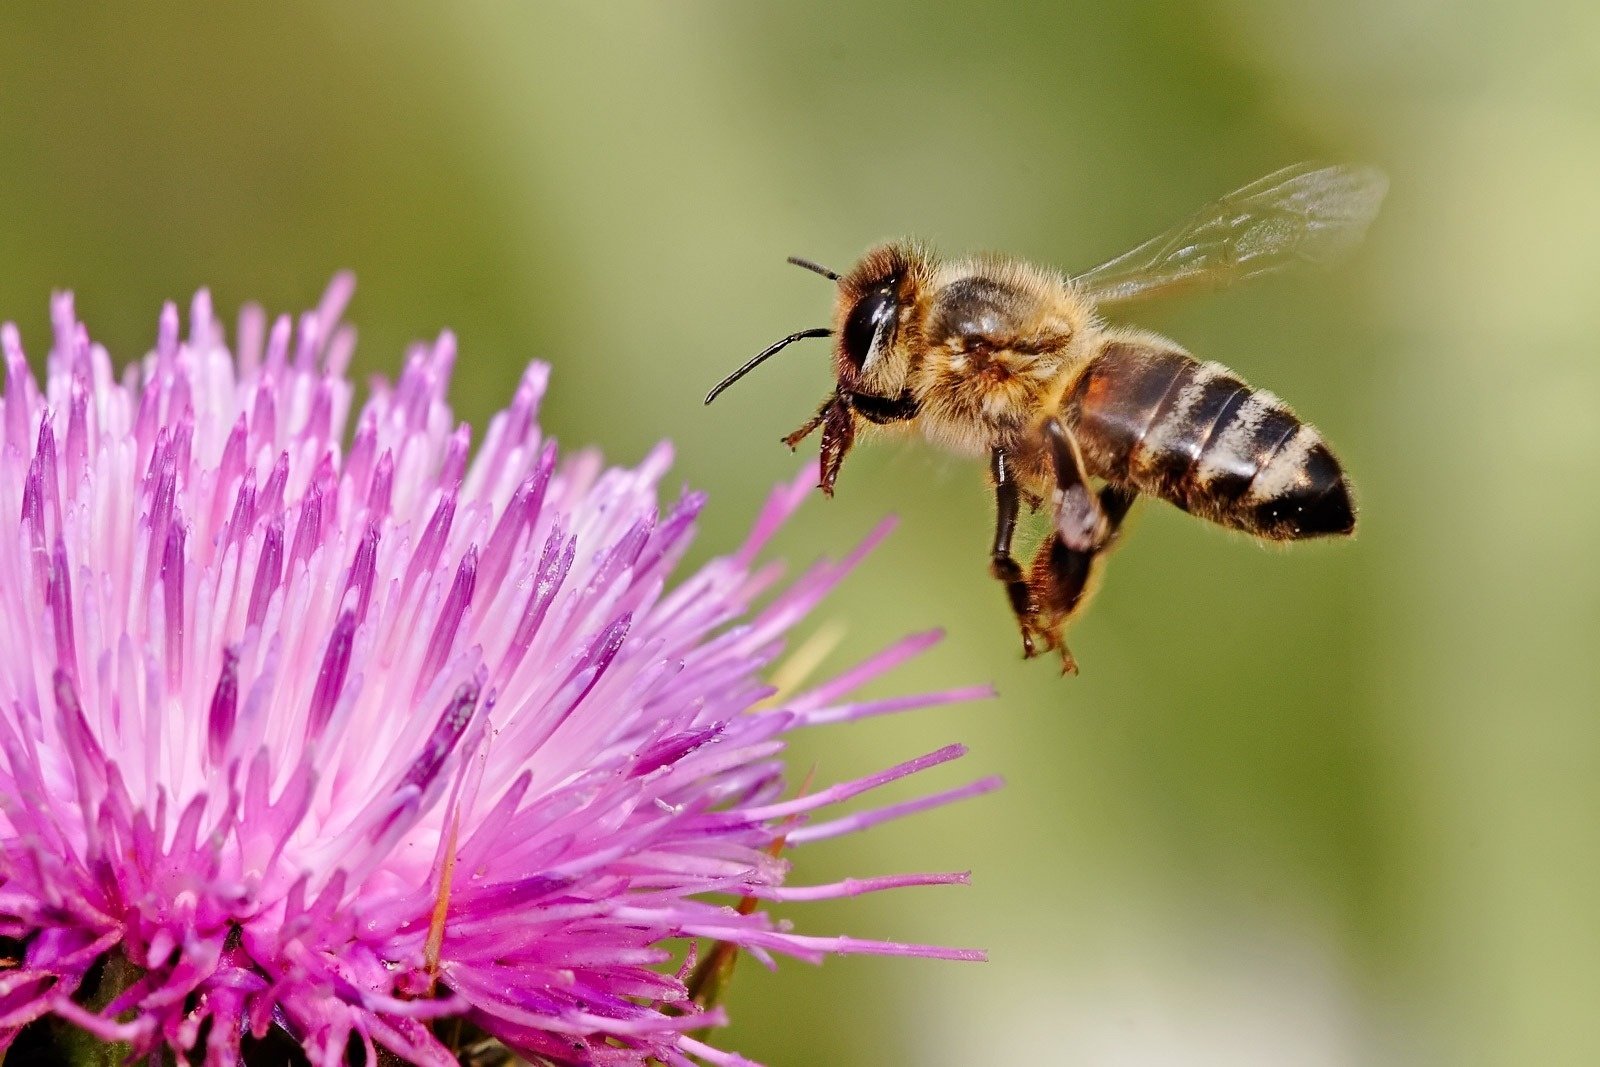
838,422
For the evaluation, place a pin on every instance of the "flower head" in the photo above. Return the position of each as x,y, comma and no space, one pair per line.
335,742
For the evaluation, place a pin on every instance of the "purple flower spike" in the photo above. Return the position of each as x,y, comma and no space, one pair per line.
324,746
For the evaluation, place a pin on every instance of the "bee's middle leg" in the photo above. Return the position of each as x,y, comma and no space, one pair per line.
1002,565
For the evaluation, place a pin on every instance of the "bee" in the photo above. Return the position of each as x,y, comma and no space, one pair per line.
996,358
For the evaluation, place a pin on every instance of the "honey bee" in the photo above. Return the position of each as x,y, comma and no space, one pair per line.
993,357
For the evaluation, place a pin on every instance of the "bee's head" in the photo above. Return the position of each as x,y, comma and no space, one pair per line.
870,320
870,328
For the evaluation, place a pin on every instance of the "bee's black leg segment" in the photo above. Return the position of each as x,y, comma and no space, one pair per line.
1115,501
1080,521
1007,503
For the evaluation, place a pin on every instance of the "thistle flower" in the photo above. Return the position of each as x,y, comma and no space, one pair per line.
331,745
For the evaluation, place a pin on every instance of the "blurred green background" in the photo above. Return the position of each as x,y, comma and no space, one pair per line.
1336,805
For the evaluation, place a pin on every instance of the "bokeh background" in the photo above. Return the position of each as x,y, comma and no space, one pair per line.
1331,806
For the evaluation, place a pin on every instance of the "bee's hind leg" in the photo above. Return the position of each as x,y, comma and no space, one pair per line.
1061,577
1086,524
1081,523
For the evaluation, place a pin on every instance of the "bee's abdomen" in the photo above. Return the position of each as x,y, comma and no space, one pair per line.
1195,435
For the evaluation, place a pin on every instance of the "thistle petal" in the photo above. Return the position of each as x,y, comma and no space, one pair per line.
334,745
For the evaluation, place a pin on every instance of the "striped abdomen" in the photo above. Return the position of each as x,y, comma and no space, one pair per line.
1194,434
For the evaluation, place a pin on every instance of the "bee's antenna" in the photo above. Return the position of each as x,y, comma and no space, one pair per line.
762,356
815,268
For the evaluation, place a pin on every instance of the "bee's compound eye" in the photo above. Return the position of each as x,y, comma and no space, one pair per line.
866,318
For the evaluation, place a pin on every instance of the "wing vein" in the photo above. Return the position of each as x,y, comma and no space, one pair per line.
1304,214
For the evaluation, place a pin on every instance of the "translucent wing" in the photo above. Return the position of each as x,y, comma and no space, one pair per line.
1301,214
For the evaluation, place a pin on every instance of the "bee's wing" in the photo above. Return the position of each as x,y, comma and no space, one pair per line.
1301,214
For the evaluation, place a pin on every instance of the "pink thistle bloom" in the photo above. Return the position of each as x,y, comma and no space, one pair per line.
327,743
